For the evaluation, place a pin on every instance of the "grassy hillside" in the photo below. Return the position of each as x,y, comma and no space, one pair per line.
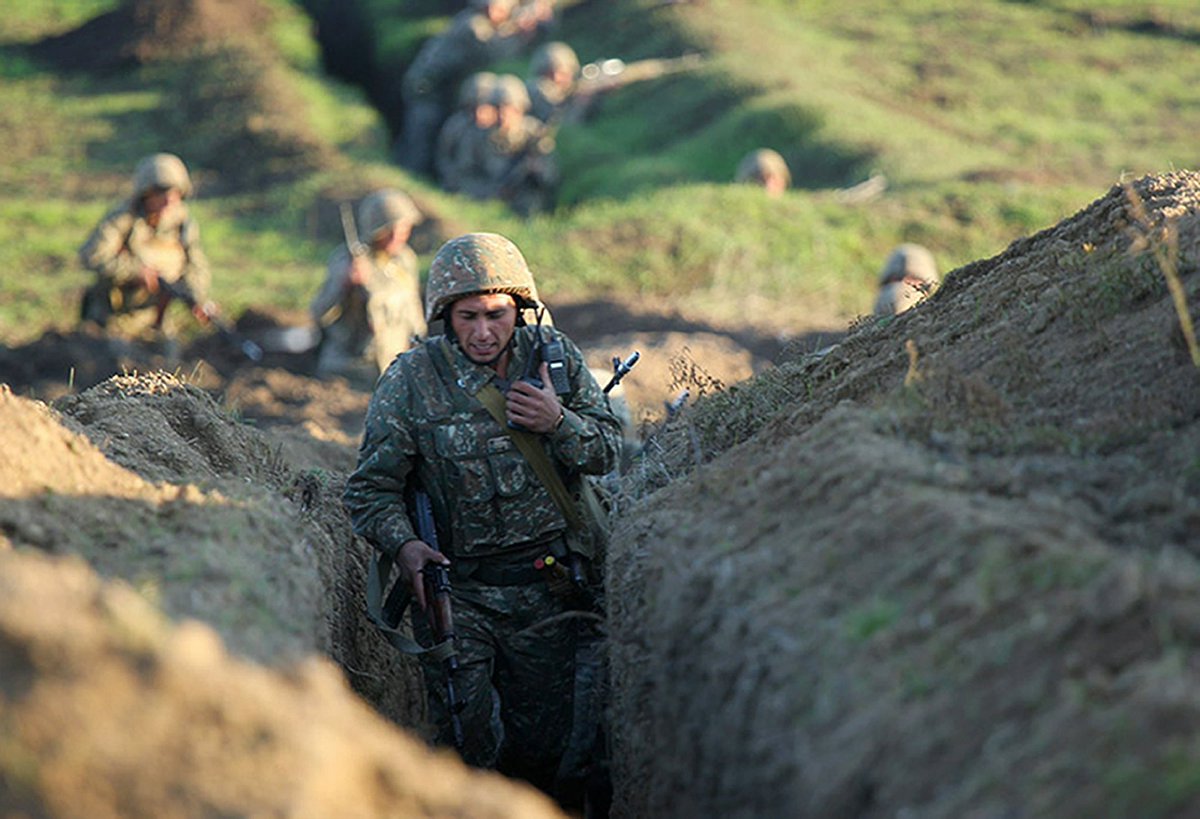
990,122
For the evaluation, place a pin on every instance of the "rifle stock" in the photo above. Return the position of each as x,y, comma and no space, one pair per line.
439,610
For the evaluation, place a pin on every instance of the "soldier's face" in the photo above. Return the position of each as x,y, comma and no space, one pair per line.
484,325
158,201
485,116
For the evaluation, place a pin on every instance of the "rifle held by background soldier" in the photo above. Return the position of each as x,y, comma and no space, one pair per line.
207,314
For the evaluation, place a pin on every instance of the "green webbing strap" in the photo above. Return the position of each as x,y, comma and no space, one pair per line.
386,613
493,400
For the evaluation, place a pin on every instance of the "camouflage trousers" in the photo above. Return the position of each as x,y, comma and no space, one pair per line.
516,678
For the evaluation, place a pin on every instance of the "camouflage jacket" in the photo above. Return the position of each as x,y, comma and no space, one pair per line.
386,311
424,422
124,241
499,164
457,144
470,44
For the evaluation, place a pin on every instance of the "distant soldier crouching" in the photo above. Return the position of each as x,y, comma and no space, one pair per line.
909,275
369,306
143,246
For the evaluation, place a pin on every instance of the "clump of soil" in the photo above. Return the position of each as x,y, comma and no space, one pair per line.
947,568
109,710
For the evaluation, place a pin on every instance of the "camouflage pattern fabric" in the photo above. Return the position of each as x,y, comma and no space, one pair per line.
495,517
513,165
546,99
122,242
374,321
431,82
457,145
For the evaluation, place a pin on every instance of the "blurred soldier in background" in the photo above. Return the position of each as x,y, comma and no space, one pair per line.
369,307
766,168
909,275
464,132
487,30
553,72
518,157
146,252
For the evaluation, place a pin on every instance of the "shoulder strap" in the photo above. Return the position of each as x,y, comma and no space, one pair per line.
529,445
386,613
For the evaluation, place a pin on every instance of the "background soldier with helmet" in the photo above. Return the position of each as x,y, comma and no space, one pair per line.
463,133
909,275
441,417
369,306
144,244
553,72
485,31
766,168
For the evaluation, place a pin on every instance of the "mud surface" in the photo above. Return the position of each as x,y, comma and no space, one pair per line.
943,569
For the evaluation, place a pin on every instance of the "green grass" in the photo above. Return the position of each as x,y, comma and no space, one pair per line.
990,120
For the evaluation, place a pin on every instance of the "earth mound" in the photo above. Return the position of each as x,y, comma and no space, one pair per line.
109,710
947,568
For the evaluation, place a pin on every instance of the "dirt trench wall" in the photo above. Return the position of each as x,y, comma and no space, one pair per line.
949,578
108,710
150,481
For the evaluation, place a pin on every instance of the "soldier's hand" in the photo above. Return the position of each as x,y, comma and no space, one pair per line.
537,410
360,269
149,277
205,311
412,558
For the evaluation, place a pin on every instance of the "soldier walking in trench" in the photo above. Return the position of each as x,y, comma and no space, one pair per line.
442,417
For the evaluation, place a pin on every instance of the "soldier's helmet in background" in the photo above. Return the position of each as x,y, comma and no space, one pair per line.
510,90
477,263
477,89
384,208
161,170
909,261
554,56
759,164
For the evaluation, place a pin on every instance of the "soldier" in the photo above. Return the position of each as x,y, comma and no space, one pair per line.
369,307
909,275
145,246
515,160
554,70
485,31
766,168
463,133
441,418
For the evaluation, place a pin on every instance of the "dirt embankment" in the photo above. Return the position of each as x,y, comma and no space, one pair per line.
951,569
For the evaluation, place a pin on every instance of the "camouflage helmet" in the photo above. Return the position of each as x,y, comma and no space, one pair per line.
553,56
909,261
161,171
477,263
757,165
383,208
510,90
477,89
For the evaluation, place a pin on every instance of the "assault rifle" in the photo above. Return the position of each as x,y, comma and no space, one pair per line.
437,607
179,290
621,369
604,76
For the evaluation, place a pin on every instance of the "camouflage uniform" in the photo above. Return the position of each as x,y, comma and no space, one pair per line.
463,133
513,161
377,319
908,276
470,44
124,241
496,518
